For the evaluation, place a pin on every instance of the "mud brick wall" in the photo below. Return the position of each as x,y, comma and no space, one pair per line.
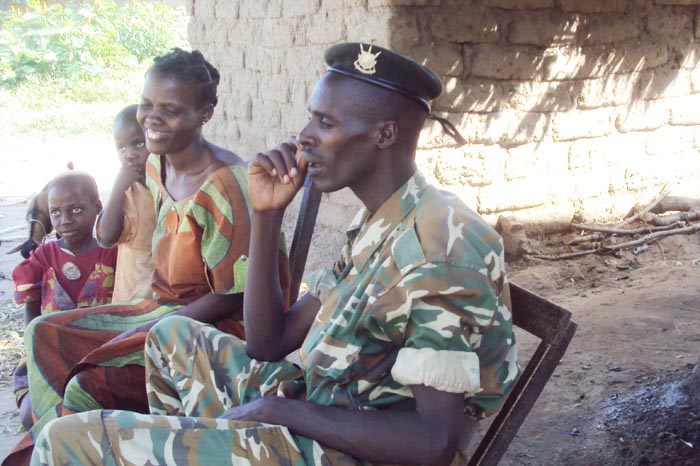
569,106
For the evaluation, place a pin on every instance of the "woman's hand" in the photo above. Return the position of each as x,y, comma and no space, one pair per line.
275,176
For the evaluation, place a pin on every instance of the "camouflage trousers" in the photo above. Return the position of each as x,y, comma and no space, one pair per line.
194,373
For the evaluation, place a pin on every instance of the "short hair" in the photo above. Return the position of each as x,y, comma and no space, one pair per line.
86,182
127,114
190,67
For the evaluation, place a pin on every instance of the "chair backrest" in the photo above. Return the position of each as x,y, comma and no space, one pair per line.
552,324
303,231
547,321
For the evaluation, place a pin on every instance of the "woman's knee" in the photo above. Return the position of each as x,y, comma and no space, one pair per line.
76,399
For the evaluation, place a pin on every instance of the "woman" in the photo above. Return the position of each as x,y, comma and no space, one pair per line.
199,249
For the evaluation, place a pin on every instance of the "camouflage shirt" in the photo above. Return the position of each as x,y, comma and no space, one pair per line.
419,297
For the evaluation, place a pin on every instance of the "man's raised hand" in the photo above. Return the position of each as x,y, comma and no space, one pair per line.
275,176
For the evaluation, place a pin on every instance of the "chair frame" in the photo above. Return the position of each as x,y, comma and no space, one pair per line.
532,313
552,324
303,231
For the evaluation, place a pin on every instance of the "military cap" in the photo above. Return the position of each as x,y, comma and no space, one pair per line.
382,67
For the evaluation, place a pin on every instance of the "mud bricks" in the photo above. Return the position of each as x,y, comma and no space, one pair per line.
568,105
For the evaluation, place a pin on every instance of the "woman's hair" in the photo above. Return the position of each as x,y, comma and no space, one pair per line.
189,67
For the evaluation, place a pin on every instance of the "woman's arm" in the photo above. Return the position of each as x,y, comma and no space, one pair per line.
209,308
213,307
427,435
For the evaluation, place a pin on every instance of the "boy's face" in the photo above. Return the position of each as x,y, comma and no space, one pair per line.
73,213
131,145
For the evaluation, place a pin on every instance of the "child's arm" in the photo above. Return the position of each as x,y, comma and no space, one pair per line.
111,221
31,309
28,278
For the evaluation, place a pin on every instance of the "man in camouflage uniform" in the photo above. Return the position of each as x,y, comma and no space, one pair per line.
408,331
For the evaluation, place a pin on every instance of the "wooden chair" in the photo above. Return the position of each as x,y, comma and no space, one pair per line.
310,201
547,321
550,323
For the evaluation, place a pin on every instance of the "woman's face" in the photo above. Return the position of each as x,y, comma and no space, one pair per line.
171,114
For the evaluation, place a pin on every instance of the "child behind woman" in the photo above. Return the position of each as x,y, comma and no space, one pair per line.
129,218
69,273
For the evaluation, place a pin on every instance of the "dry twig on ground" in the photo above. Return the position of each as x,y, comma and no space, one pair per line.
655,226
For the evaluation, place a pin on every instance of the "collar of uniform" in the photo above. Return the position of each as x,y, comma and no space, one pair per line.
370,232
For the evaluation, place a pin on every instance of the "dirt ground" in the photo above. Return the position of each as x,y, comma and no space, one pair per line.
618,396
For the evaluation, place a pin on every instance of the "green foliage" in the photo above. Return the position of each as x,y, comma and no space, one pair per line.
49,106
144,29
80,41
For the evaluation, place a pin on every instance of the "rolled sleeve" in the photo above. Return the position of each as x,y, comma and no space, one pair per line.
456,335
447,371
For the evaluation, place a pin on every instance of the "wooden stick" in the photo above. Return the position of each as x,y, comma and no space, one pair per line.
12,202
12,229
605,248
570,255
624,231
606,231
677,204
11,239
652,236
585,238
670,218
648,208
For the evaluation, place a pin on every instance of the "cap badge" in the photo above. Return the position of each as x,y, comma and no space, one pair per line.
366,61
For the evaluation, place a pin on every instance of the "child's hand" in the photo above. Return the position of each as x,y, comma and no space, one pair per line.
275,177
127,175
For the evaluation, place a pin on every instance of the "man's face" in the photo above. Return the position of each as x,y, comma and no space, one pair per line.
339,139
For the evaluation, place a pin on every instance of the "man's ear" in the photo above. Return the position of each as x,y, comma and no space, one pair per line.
388,132
98,205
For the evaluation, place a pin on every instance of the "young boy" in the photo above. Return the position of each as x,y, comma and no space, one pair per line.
69,273
129,218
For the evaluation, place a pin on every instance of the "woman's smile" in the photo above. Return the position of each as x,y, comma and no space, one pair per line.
156,135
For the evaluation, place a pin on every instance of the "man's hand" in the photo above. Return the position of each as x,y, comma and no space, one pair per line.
275,176
256,411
